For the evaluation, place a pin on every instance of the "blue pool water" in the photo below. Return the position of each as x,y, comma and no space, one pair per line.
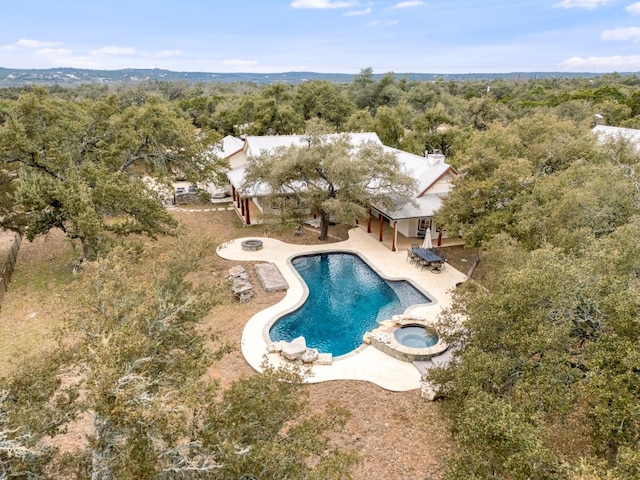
346,299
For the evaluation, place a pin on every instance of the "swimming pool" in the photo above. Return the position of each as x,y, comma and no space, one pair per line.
346,299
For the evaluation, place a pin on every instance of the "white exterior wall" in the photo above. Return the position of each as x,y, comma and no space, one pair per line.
214,190
408,228
237,160
267,208
259,207
442,186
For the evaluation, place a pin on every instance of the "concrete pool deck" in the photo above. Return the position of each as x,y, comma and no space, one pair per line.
366,363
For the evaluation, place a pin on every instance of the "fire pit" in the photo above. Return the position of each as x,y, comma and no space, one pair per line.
251,245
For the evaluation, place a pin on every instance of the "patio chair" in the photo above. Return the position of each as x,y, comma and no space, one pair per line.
444,258
414,246
423,264
441,254
411,257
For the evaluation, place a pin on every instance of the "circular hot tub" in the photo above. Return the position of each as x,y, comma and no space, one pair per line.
251,245
415,336
406,338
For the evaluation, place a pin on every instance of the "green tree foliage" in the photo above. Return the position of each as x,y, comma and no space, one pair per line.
79,166
501,167
325,101
547,351
389,126
334,178
360,121
545,378
369,93
133,360
275,113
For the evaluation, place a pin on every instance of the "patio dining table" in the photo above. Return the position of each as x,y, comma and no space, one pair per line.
428,256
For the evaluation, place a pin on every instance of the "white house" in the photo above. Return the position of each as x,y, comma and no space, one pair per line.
225,148
435,178
433,175
606,133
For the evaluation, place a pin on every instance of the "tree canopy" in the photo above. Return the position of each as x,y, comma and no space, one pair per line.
80,166
545,377
333,177
133,362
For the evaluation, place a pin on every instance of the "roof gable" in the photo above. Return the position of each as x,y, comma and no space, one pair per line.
434,176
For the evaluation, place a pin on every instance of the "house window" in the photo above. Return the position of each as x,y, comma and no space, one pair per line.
180,190
192,189
424,223
290,203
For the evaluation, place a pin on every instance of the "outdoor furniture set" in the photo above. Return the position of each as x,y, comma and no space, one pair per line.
430,258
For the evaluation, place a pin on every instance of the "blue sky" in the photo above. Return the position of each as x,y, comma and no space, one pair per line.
332,36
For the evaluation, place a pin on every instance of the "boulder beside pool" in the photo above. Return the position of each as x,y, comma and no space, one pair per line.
294,349
297,350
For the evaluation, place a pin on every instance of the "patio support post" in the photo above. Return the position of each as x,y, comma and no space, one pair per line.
241,205
369,221
381,227
394,241
246,210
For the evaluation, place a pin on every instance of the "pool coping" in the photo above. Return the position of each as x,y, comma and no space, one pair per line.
366,363
305,294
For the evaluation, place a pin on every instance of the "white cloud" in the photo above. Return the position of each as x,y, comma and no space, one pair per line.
618,63
622,34
382,23
26,43
322,4
113,50
64,57
633,9
589,4
409,4
355,13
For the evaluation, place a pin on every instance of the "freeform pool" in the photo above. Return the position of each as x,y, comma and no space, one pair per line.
346,299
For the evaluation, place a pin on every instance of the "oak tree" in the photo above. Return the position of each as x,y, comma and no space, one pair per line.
80,165
333,177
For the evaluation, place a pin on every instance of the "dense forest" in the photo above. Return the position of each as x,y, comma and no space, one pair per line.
545,381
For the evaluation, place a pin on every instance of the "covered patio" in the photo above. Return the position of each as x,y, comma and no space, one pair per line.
386,231
245,207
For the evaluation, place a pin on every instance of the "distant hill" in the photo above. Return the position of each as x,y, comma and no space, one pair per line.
11,77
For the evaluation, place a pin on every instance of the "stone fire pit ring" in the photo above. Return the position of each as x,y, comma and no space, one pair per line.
251,245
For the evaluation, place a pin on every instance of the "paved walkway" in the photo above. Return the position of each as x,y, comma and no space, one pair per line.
366,363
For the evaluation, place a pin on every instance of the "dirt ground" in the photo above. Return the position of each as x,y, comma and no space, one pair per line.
398,435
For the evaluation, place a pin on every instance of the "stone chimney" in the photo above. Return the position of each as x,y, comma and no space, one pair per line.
434,158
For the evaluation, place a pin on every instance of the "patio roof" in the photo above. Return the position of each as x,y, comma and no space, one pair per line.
425,206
